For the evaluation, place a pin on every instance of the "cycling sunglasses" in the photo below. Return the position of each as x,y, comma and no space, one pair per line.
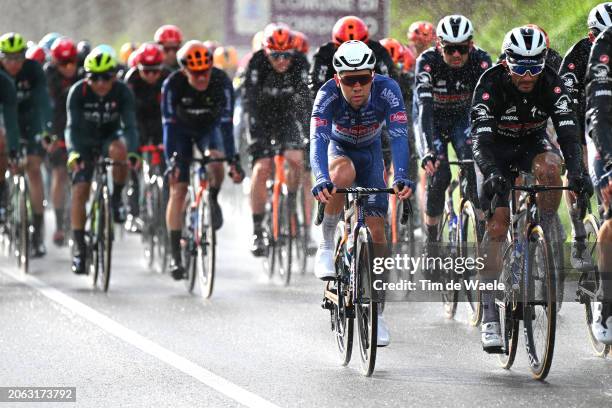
150,69
105,76
352,80
281,54
199,73
450,49
522,69
66,62
168,48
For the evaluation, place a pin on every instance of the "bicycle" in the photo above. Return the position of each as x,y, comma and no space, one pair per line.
589,281
198,239
99,233
349,296
19,227
155,198
528,278
460,235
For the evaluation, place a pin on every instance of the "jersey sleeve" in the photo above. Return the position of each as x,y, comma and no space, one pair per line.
484,125
252,84
572,72
424,97
302,97
227,115
320,134
74,110
41,99
397,122
318,73
8,104
128,119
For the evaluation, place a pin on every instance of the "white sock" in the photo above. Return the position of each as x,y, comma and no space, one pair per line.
329,228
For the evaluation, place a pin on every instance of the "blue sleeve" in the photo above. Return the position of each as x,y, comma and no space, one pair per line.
227,117
168,109
320,133
397,121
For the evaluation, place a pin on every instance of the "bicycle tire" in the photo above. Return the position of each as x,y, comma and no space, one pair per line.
366,309
511,322
591,281
206,249
105,239
285,239
447,239
92,243
188,249
543,294
150,225
342,324
469,244
23,260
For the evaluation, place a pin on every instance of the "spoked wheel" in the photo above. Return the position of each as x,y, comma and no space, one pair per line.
405,233
447,239
555,240
366,308
539,305
469,244
104,240
507,307
284,248
188,249
149,238
206,249
590,281
342,318
21,225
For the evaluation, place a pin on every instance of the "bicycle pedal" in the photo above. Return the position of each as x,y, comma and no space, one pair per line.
494,350
327,304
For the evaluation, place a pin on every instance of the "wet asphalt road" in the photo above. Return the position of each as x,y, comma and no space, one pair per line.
147,342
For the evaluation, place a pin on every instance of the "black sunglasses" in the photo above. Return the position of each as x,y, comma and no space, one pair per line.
281,54
352,80
105,76
150,69
450,49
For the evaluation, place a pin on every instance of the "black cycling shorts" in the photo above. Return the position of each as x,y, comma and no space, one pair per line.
265,137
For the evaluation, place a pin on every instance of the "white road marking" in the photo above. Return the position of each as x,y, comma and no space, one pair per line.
220,384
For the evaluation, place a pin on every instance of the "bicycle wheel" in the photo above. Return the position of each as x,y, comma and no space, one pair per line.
105,239
508,308
206,249
149,236
188,246
556,240
342,319
590,281
539,305
284,247
469,244
366,309
301,234
447,239
91,237
22,227
161,232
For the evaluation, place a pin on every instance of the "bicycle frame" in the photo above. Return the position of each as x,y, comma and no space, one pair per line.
280,180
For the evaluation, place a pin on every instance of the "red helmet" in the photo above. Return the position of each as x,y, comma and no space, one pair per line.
277,37
408,59
394,48
63,49
168,33
300,42
421,32
349,28
537,27
37,54
133,60
149,54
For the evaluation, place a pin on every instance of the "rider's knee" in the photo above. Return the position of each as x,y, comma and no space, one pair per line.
342,172
117,151
497,225
605,232
547,169
262,169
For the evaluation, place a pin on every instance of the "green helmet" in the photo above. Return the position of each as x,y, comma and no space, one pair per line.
99,61
11,43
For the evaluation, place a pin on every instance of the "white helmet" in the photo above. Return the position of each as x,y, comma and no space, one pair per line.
455,29
524,42
354,56
600,16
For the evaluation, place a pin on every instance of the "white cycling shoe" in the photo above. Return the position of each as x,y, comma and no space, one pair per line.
603,334
324,264
490,336
383,336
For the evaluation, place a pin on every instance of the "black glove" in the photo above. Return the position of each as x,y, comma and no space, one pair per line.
235,161
495,184
429,157
581,184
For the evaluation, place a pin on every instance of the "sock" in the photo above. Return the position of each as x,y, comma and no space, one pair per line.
117,190
213,193
59,219
432,232
329,228
38,223
79,241
175,245
257,220
490,313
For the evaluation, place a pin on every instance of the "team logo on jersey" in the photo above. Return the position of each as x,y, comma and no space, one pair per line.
484,65
569,79
485,96
600,71
390,97
563,104
482,111
557,90
511,110
319,121
571,66
424,78
604,58
399,117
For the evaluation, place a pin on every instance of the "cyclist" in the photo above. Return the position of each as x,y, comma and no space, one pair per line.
277,101
126,50
445,80
9,134
421,36
226,59
100,110
345,153
34,110
37,54
83,50
145,80
300,42
170,38
599,126
62,73
511,106
573,71
196,104
48,39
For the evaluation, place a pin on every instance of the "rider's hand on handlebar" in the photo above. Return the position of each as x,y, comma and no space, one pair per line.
323,191
606,192
430,163
403,188
495,184
134,161
236,172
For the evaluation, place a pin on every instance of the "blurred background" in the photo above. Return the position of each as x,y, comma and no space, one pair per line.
235,21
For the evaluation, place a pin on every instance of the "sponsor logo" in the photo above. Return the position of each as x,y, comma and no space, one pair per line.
509,118
390,97
569,79
424,78
484,65
485,96
483,129
604,92
399,117
426,95
482,111
604,58
510,110
571,66
557,90
440,90
566,123
600,71
319,121
441,82
563,104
